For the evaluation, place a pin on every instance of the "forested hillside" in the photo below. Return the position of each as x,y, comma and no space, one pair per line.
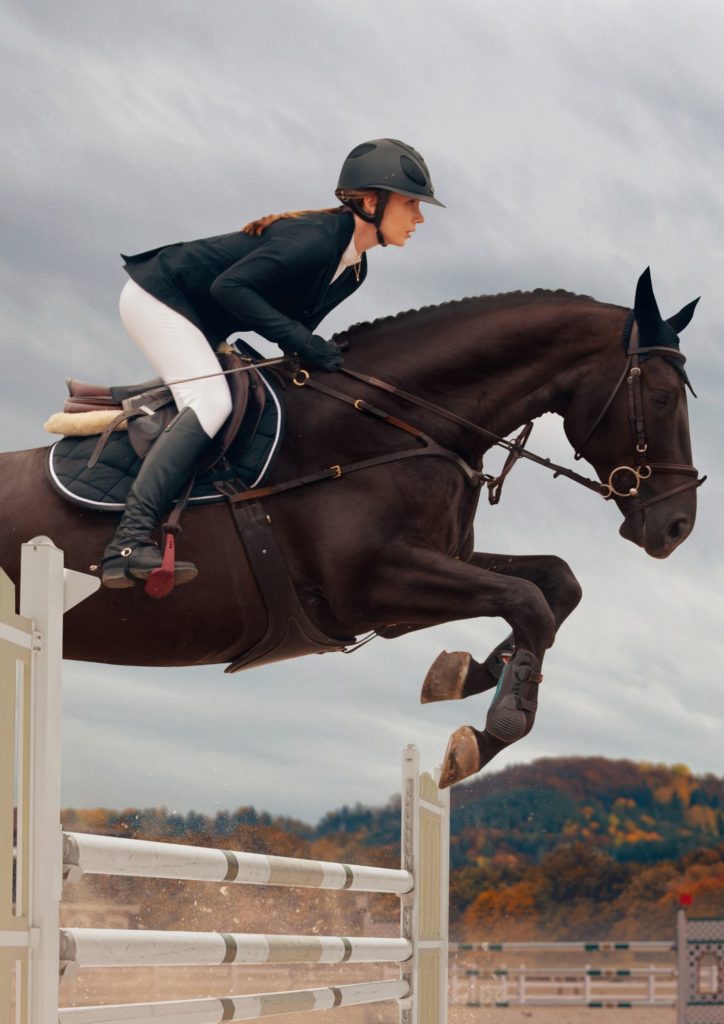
563,847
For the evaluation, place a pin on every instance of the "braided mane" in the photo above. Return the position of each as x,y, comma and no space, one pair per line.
484,303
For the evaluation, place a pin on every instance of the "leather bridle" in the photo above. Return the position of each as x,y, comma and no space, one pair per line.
642,469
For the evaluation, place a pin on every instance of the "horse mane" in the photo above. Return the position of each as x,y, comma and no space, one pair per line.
483,303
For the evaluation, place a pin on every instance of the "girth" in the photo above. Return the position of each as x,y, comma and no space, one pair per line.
289,633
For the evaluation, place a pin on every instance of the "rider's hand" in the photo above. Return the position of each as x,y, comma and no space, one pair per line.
322,354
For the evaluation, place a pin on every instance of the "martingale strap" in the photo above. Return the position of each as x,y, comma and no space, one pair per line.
430,448
516,448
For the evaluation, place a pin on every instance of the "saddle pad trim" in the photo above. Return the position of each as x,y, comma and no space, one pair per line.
118,506
104,506
280,426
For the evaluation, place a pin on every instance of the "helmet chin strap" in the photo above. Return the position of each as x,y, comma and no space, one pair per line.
371,218
382,196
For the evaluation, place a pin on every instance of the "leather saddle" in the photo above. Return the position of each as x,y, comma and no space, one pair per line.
147,408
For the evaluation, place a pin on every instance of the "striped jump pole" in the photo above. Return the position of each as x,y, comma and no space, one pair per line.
118,947
230,1008
421,883
85,854
34,951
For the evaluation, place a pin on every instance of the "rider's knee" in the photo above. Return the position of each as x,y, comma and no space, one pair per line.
212,405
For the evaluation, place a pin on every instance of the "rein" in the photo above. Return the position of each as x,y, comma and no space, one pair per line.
642,470
516,448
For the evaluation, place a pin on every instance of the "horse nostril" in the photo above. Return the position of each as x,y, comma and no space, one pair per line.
679,528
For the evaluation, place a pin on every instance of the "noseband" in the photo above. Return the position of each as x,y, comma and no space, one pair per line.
642,469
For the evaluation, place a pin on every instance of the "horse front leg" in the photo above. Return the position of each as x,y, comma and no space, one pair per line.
513,709
438,588
455,675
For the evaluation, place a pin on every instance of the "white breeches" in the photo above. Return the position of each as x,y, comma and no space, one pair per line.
177,349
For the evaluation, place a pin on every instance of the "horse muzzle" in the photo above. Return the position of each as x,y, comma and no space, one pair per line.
659,523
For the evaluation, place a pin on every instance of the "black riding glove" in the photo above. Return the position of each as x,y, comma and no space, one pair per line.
320,353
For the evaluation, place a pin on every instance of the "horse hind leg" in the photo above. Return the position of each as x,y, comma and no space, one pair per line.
456,675
510,717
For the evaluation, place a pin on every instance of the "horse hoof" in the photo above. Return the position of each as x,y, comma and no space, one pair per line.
446,677
462,757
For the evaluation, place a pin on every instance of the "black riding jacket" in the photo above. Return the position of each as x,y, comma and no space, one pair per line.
277,283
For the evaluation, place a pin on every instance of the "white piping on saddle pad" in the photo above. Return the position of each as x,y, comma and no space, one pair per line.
109,506
278,434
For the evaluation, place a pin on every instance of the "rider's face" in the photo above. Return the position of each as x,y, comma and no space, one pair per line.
401,217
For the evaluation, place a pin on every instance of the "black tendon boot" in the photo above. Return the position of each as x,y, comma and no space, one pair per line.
512,711
510,717
133,554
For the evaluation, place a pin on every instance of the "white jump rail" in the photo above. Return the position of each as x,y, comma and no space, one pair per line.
119,947
695,986
559,947
33,948
619,987
247,1007
85,854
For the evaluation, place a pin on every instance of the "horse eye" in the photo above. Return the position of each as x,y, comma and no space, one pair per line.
660,398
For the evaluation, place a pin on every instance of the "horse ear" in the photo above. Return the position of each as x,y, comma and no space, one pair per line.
680,320
646,310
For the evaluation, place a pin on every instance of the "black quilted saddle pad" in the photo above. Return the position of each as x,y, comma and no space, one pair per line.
106,485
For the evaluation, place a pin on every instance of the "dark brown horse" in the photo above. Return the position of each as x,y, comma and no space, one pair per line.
390,548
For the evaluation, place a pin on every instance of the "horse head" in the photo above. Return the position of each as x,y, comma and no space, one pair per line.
637,438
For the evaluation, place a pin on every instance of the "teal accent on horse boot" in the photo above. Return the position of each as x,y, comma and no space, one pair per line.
512,711
498,658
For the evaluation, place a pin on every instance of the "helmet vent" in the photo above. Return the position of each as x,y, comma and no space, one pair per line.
362,150
412,171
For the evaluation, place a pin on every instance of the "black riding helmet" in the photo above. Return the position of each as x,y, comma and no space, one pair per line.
390,166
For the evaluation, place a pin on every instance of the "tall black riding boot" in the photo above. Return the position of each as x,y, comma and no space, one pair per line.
133,554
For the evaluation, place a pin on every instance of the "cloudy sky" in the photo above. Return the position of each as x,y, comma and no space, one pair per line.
574,143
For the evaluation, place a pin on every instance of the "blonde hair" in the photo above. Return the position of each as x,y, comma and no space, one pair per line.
258,226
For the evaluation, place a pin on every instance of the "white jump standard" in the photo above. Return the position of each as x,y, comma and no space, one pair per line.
34,947
700,954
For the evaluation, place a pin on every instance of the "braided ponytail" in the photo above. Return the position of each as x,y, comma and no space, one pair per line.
258,226
351,199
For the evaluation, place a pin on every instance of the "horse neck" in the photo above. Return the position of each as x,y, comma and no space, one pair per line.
497,367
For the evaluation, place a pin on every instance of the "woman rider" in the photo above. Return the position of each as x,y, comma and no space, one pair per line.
279,276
